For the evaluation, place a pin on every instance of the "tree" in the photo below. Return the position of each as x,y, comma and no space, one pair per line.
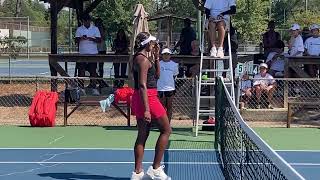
251,19
118,14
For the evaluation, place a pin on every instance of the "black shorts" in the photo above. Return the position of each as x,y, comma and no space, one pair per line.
162,94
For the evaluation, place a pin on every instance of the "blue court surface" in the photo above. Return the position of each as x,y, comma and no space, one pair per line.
117,164
109,164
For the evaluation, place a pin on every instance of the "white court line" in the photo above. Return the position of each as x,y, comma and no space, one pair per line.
108,162
129,162
56,139
131,149
117,149
304,164
315,151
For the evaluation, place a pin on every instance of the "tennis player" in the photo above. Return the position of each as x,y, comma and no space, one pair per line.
147,107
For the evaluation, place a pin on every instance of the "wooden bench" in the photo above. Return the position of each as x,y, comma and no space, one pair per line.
300,101
94,101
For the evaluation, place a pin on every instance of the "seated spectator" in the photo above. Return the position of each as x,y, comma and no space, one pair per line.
305,34
263,83
246,88
312,48
186,37
166,82
296,47
120,46
218,13
88,36
275,59
270,38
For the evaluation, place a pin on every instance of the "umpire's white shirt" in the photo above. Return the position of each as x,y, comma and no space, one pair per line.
86,46
218,6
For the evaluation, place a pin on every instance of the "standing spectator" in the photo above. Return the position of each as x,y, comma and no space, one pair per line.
312,48
270,38
296,47
275,59
88,36
166,83
218,12
121,47
263,83
101,49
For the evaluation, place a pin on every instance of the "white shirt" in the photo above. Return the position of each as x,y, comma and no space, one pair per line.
297,45
86,46
168,69
219,6
245,84
278,64
312,46
266,80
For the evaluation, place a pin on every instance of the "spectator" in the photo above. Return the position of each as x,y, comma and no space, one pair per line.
296,47
263,83
275,59
88,36
270,38
305,34
312,48
121,47
218,13
187,44
101,49
186,37
246,88
166,83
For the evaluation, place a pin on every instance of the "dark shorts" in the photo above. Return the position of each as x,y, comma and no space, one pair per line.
162,94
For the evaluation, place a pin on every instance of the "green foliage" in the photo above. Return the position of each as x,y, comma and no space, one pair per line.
305,18
13,45
36,11
118,14
251,19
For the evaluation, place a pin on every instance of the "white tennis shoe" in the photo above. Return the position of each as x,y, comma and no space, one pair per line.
136,176
156,174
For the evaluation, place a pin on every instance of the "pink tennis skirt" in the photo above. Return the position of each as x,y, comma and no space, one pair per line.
156,108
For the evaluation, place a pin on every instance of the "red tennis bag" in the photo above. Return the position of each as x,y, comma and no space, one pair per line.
42,112
123,95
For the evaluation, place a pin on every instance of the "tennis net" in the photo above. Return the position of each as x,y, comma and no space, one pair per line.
242,154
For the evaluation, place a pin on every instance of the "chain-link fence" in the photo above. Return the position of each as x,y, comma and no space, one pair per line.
301,97
16,95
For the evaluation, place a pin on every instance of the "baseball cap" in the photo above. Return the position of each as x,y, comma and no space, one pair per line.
263,65
166,51
314,26
295,27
